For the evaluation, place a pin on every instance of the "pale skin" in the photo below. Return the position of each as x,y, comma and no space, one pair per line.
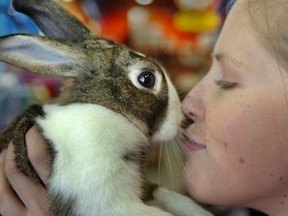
241,119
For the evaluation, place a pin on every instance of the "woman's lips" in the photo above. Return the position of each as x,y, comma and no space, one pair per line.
191,145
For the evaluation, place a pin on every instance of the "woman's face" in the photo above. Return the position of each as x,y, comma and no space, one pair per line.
238,148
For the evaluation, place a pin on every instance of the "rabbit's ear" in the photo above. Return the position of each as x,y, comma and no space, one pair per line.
42,55
53,20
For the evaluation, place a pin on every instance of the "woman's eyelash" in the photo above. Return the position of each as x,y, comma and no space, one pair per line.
225,84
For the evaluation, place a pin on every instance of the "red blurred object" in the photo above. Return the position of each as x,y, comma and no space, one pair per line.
114,25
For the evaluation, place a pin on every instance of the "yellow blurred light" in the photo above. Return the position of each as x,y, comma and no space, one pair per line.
196,21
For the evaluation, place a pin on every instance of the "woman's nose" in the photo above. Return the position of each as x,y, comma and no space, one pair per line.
193,104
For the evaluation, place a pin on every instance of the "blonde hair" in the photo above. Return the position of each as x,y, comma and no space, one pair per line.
269,20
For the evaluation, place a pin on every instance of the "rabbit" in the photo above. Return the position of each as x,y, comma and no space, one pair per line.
113,105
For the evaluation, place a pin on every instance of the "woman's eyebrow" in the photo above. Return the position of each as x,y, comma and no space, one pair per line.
221,57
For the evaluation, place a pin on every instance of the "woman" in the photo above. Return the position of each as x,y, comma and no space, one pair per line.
237,148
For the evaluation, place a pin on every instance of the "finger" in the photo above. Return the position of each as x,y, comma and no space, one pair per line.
10,204
39,154
32,194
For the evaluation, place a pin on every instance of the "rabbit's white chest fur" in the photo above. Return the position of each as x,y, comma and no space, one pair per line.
90,142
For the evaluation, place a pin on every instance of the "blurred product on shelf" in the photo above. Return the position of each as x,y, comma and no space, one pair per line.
13,22
18,90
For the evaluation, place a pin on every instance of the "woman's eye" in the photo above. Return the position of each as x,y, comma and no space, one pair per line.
223,84
147,79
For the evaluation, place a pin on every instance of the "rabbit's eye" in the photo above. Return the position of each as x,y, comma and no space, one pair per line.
147,80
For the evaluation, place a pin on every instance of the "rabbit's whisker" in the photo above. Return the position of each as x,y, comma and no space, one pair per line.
168,165
159,162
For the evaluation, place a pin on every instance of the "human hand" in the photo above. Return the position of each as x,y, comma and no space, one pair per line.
19,195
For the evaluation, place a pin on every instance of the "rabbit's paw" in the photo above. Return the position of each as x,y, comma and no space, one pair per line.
144,210
177,204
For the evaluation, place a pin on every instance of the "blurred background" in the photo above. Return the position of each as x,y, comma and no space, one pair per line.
180,34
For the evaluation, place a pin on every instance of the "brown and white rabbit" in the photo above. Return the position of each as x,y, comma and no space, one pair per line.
114,103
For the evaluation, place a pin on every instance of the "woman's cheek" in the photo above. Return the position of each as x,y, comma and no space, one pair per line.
237,136
228,135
